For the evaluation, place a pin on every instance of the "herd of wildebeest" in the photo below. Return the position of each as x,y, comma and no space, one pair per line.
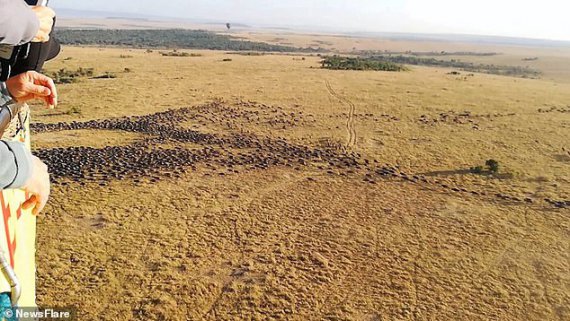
167,149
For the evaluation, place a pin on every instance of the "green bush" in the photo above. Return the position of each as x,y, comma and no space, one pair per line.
492,165
65,76
348,63
180,54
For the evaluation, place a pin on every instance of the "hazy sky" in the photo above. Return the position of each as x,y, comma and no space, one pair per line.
547,19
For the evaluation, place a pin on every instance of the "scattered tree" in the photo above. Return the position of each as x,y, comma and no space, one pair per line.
492,165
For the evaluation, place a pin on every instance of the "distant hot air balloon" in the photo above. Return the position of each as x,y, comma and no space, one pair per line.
228,25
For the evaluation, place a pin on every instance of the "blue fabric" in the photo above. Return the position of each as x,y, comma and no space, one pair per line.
7,312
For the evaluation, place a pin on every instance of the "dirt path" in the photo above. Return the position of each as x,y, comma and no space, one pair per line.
351,139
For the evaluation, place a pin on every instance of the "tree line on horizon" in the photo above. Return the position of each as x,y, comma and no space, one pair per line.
503,70
167,38
388,62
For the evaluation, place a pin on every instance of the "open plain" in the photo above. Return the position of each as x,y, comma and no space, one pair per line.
232,187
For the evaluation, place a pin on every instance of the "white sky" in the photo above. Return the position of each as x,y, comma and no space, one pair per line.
548,19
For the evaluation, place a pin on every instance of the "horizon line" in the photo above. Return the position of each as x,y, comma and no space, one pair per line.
312,28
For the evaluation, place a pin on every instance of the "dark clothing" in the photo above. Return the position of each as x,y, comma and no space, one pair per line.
38,54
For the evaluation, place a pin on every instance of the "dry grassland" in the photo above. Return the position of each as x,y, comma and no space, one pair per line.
317,240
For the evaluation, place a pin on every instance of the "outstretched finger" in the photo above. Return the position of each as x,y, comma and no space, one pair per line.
47,82
30,203
53,95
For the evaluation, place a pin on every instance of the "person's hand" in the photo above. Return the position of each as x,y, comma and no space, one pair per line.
31,85
45,16
37,186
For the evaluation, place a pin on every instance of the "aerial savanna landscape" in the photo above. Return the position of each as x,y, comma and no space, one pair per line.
277,175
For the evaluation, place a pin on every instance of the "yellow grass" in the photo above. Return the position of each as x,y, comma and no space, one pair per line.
266,244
